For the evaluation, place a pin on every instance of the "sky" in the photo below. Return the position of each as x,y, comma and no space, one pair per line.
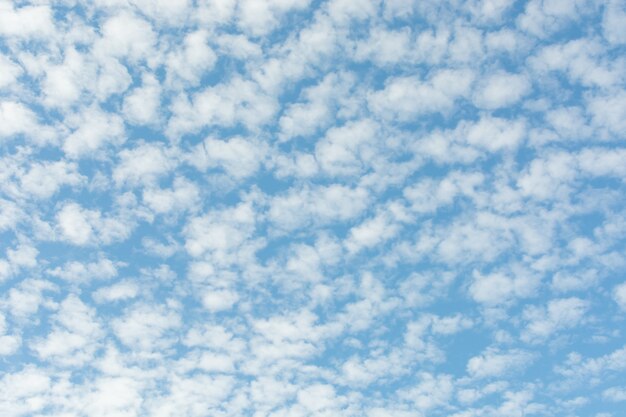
329,208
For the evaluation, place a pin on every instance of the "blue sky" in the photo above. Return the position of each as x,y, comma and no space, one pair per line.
290,208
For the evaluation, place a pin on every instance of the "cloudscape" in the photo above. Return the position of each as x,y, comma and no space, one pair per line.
328,208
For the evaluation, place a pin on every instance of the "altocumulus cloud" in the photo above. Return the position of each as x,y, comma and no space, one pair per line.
291,208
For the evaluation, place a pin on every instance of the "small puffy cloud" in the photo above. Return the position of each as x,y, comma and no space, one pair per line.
564,281
78,272
559,314
219,300
384,47
183,195
220,232
238,157
80,226
73,338
142,105
237,102
93,129
609,112
9,344
542,18
501,90
123,290
346,150
125,36
615,394
187,65
405,98
143,164
306,117
432,392
496,363
9,72
493,133
63,84
371,233
146,328
500,288
260,18
75,223
614,15
448,325
320,205
15,119
319,398
44,179
23,256
619,294
549,177
25,299
114,395
26,22
165,11
489,10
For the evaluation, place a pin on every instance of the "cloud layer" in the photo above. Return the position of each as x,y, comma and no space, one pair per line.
291,208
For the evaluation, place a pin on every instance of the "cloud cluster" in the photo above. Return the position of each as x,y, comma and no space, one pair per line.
312,208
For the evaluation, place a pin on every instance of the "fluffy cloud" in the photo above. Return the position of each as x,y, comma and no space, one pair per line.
495,363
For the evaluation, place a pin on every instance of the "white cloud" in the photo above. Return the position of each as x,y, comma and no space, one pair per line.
240,158
26,21
75,223
325,205
73,338
125,36
406,98
15,118
239,101
146,328
114,396
496,363
608,112
190,63
615,394
307,117
219,300
120,291
143,164
260,18
494,133
79,271
500,288
220,232
619,294
80,226
614,14
183,195
9,72
142,105
44,180
25,299
490,10
501,90
371,233
559,314
346,150
93,129
433,391
384,47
